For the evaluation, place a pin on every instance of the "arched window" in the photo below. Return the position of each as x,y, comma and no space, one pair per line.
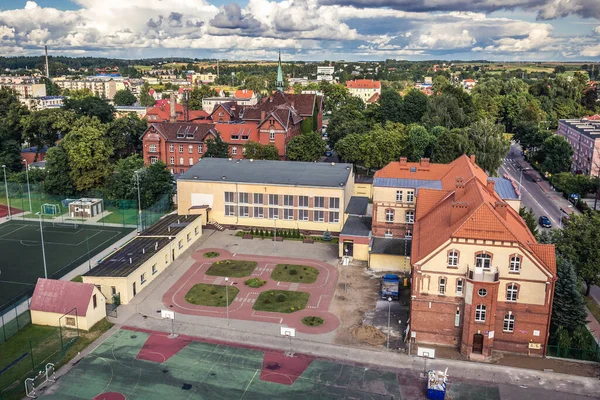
515,264
483,261
453,258
509,322
480,313
512,292
234,150
389,215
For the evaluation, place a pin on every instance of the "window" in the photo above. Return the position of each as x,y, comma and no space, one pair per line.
152,148
142,278
180,160
189,237
409,217
70,321
243,198
113,290
288,200
272,133
258,212
319,202
482,292
410,197
94,301
480,313
258,198
453,258
166,258
154,269
459,287
288,213
302,215
442,289
512,292
244,211
234,150
389,234
398,195
196,230
229,197
483,261
334,216
181,148
303,201
191,161
389,215
200,148
153,160
273,213
172,160
229,211
509,322
190,149
273,199
457,318
334,202
181,244
319,216
515,264
171,148
408,235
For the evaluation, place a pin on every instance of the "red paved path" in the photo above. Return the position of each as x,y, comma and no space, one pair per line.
321,292
4,210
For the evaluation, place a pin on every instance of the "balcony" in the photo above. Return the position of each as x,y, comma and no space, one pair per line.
483,275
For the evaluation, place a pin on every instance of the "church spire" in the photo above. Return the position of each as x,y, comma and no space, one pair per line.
279,83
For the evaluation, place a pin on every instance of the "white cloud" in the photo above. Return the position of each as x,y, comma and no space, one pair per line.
597,29
591,51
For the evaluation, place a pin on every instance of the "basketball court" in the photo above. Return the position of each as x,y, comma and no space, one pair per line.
66,246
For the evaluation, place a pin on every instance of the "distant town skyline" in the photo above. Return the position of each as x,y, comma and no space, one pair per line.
309,30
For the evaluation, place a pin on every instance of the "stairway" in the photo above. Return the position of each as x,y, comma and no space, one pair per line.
218,226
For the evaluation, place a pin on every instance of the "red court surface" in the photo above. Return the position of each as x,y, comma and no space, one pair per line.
321,292
4,211
110,396
159,348
278,369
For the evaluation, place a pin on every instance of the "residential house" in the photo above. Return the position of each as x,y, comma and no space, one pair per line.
584,137
364,88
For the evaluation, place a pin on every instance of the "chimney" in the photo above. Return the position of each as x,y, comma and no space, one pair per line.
424,162
491,185
473,158
403,160
47,65
502,209
458,211
186,108
460,188
173,102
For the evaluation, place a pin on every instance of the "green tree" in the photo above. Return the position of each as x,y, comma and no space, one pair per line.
568,307
382,145
487,98
390,106
58,172
52,89
414,106
42,128
440,83
255,83
125,135
529,218
122,184
444,110
489,144
520,107
450,145
216,147
420,143
156,182
12,113
124,97
335,96
91,106
555,155
306,147
89,154
146,99
349,118
197,94
348,148
257,151
78,94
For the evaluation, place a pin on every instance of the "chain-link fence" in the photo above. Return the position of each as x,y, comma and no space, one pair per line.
590,352
14,318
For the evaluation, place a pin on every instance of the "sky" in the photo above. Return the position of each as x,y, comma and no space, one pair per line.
308,30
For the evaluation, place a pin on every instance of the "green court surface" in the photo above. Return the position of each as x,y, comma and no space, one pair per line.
66,245
200,370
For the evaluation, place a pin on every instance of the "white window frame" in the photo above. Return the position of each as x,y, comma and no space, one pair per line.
171,148
334,216
259,212
172,160
229,210
273,213
442,286
480,313
515,264
273,199
460,285
153,160
509,323
191,149
388,234
244,211
334,203
154,269
453,258
200,148
234,150
288,213
319,216
389,215
410,197
302,215
142,278
303,201
181,148
243,198
398,196
409,217
288,200
191,161
321,201
256,197
152,148
229,197
181,162
483,259
512,293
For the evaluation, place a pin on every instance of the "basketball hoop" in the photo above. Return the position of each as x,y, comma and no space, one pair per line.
288,333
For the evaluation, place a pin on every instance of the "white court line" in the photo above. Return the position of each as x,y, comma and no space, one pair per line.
13,231
249,383
18,283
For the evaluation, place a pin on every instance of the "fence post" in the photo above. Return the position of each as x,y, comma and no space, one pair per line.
3,328
17,319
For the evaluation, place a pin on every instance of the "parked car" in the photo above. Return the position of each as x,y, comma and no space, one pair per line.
328,153
545,222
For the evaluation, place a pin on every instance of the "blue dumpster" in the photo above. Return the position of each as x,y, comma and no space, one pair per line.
436,385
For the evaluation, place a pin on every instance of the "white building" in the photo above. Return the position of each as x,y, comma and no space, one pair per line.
364,88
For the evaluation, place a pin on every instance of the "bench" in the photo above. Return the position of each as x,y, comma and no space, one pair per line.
247,236
307,240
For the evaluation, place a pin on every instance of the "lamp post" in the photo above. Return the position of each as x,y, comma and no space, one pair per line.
389,317
275,217
43,249
28,188
227,298
137,177
6,188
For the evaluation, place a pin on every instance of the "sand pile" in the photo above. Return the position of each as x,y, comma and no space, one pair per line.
368,334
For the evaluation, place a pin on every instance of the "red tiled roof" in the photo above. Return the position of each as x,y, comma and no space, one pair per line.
546,253
595,117
245,129
374,98
244,93
303,104
163,113
363,84
400,170
60,297
188,132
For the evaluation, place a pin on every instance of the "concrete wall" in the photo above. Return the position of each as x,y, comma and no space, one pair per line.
363,189
360,246
387,262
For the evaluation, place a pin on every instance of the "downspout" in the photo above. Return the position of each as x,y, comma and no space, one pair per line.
554,279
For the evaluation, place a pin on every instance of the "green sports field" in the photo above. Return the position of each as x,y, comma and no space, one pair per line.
66,247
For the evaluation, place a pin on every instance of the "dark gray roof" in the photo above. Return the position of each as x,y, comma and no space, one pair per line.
139,250
290,173
357,205
397,247
505,189
357,226
407,183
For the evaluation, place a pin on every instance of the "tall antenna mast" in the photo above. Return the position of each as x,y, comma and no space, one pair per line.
47,66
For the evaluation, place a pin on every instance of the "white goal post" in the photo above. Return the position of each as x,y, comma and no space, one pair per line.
43,377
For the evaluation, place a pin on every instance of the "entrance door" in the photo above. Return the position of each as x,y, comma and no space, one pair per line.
349,249
134,290
173,255
478,343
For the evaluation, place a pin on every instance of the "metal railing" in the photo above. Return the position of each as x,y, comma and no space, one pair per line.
483,275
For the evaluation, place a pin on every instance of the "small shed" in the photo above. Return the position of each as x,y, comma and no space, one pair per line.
86,208
54,301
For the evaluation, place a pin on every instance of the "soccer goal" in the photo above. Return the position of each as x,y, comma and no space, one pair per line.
43,377
50,209
67,224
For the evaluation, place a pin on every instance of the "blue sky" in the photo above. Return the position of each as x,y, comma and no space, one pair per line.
565,30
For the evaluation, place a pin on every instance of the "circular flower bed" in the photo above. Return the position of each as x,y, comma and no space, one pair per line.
312,321
211,254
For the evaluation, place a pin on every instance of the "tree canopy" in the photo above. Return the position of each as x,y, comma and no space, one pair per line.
306,147
216,147
257,151
91,106
124,97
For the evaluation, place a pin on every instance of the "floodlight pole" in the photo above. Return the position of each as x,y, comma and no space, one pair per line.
28,188
6,187
137,176
227,298
389,317
275,217
43,250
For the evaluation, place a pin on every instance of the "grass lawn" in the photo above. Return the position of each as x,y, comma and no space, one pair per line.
232,268
126,216
282,301
203,294
78,278
294,273
593,307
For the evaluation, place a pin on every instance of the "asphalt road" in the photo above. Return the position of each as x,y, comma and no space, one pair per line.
531,194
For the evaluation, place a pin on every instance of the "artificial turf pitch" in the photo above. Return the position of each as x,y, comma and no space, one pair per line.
66,248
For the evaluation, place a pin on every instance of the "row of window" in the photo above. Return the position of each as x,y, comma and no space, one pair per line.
285,213
410,196
286,200
512,289
409,216
509,319
483,260
153,148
